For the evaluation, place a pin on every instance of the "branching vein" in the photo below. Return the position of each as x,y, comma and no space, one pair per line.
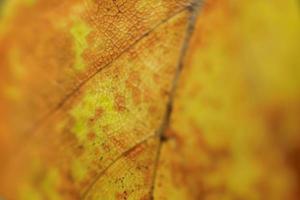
194,8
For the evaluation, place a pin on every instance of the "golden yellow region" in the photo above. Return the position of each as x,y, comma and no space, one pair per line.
113,112
234,125
149,100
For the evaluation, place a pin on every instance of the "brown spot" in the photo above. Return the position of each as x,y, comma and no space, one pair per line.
148,95
98,114
136,95
274,116
164,92
133,54
134,78
79,150
119,142
153,109
132,83
120,104
122,195
91,136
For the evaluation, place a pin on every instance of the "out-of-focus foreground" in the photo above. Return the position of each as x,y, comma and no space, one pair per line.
150,99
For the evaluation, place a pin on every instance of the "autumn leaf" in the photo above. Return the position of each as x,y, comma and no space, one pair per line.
149,99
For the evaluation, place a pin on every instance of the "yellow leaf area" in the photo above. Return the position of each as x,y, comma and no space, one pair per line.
51,48
110,120
235,132
149,99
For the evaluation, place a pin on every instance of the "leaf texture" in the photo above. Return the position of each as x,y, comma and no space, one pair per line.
149,99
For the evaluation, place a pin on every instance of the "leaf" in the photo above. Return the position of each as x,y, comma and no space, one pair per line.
234,131
149,99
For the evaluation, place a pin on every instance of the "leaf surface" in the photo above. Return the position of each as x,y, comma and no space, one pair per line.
234,131
149,99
